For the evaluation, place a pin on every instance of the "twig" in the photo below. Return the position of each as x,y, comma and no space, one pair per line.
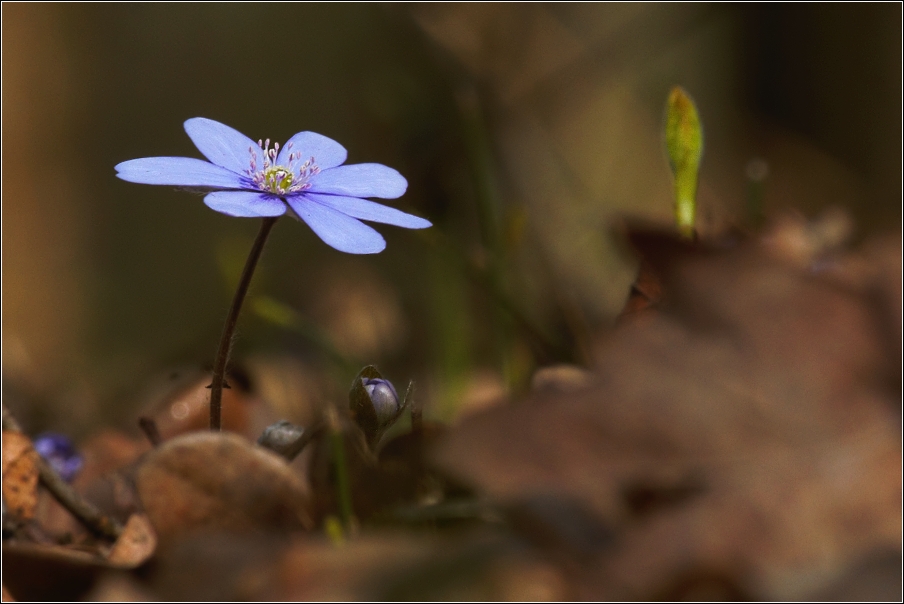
82,509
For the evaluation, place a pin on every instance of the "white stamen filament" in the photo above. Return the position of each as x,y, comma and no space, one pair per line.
280,179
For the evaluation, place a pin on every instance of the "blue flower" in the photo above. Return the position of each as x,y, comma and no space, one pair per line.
305,178
59,452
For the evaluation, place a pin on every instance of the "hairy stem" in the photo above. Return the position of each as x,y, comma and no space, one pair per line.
222,360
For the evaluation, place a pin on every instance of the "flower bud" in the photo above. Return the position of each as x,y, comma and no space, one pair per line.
285,438
384,398
58,451
375,403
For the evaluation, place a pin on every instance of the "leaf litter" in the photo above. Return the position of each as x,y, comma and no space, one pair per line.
737,436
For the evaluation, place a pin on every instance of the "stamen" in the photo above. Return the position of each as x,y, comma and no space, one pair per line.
280,179
253,164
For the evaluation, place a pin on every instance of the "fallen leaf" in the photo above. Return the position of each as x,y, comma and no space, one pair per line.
217,567
37,572
383,567
104,480
135,545
372,567
42,571
106,451
20,475
219,481
179,403
119,586
740,440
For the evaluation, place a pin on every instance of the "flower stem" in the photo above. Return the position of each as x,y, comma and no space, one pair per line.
222,360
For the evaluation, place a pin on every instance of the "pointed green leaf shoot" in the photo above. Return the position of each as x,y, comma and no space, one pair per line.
684,142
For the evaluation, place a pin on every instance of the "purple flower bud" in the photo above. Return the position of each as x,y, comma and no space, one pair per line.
384,398
59,452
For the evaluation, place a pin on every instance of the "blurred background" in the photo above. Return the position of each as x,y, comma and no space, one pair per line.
527,134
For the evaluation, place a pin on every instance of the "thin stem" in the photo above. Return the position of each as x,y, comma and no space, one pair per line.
222,360
343,489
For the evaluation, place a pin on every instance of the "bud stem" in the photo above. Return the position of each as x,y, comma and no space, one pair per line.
222,359
343,489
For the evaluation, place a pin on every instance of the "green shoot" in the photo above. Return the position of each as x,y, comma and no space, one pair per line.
684,141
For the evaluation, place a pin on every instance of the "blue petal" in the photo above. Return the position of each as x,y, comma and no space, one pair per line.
369,210
223,145
326,152
179,172
245,204
360,180
337,230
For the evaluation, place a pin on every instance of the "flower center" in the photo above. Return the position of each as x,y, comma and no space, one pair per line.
280,179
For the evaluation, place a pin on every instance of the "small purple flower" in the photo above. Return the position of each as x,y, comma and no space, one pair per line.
305,177
58,451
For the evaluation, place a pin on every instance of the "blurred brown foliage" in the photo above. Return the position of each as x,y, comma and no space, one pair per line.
743,431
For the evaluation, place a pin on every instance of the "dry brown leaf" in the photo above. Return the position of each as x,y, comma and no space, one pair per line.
217,566
135,545
42,572
119,586
321,571
473,567
219,481
742,441
103,480
372,567
106,451
186,408
20,475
